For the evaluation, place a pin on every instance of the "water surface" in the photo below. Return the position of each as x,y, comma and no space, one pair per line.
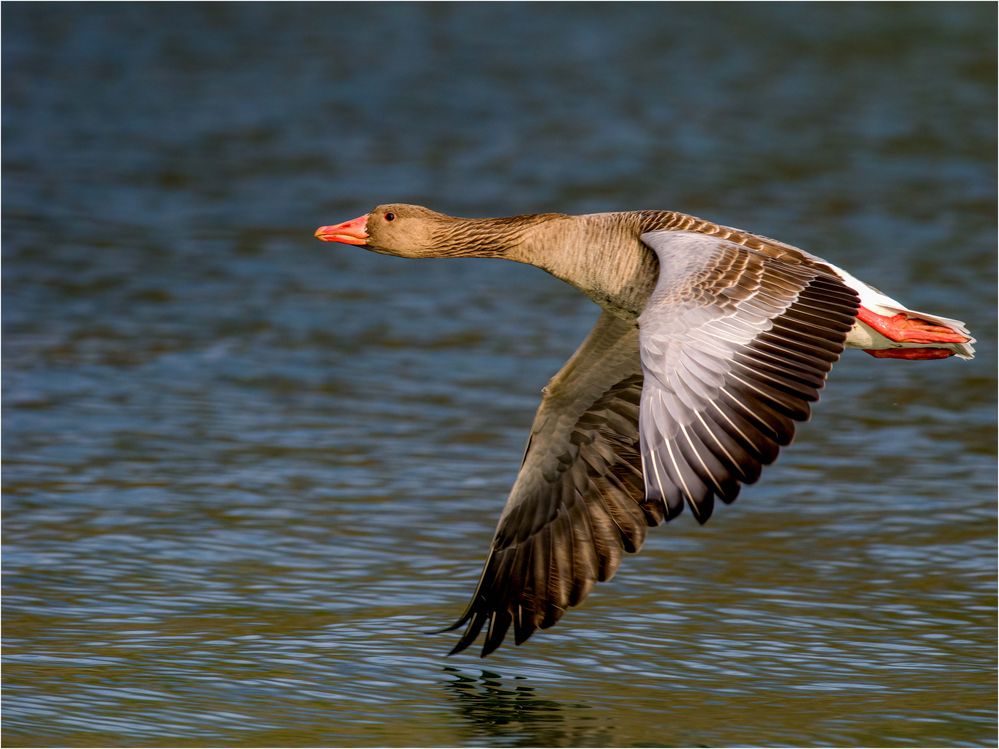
245,473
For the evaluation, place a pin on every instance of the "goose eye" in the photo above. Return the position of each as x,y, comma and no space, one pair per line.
390,216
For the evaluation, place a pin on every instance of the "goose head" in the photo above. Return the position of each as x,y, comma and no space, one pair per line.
392,229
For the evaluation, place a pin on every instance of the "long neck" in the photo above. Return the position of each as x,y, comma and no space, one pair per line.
487,237
601,254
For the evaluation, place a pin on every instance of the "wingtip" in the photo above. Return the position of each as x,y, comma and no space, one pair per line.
475,624
461,645
450,628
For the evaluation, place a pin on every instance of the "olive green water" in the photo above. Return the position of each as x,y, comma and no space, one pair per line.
245,473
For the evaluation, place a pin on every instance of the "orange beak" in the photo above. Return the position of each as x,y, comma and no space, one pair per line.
354,231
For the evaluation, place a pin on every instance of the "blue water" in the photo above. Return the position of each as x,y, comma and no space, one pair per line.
245,473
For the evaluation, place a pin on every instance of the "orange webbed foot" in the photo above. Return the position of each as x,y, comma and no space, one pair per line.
904,329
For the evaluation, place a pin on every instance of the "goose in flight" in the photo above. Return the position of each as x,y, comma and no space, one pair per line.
711,344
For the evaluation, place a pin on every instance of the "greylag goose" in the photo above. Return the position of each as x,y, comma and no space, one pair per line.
712,343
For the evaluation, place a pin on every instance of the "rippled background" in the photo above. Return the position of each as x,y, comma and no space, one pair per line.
245,473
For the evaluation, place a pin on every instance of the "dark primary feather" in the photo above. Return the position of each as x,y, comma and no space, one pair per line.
543,562
578,503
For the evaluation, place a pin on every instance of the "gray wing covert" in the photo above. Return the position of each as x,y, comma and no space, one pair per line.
735,345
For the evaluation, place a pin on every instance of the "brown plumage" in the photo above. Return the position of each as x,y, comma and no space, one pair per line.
712,345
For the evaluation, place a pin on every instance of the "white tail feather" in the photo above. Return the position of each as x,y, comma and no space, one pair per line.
864,337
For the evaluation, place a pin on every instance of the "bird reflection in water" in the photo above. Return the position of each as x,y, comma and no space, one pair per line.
507,707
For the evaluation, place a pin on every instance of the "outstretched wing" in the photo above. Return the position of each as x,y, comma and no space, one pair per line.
735,344
578,501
